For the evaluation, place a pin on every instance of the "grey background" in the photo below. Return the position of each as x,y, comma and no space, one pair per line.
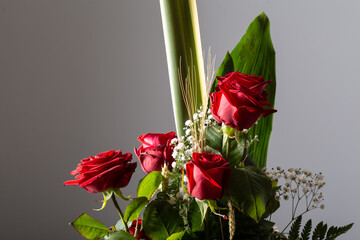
79,77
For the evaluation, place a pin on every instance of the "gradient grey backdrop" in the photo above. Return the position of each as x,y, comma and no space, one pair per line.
79,77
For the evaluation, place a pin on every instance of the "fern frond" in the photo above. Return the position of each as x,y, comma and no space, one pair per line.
295,229
305,234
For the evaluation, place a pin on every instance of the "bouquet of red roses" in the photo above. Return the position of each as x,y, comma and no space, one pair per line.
209,180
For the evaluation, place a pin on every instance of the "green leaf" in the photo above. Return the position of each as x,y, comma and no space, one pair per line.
305,234
255,55
89,228
161,220
227,66
195,217
250,191
232,150
121,235
176,236
203,206
295,229
149,184
134,208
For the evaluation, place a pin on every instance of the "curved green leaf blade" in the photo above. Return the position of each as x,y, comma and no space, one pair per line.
134,208
250,191
90,228
149,184
161,220
121,235
255,55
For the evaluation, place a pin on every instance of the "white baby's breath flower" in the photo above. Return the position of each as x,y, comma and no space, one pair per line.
173,141
180,146
188,132
173,165
188,123
320,176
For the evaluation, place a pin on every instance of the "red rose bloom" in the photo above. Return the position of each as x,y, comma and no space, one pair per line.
239,100
105,171
208,175
155,151
140,234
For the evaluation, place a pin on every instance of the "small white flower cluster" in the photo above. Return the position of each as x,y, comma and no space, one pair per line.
182,151
185,145
299,184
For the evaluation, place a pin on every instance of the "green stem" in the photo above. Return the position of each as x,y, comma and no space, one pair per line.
182,41
113,198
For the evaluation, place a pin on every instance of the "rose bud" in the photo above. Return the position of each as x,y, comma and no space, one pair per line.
208,175
140,233
107,170
239,100
155,151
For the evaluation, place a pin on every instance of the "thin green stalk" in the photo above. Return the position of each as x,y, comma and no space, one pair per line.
182,41
113,198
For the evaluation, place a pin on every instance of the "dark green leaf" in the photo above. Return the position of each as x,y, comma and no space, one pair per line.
255,55
149,184
161,220
195,217
295,229
250,191
134,208
232,150
334,232
89,228
121,235
319,231
305,234
227,66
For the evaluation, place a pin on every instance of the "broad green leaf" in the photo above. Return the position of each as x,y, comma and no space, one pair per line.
195,217
134,208
232,151
121,235
250,191
203,206
90,228
255,55
149,184
161,220
176,236
227,66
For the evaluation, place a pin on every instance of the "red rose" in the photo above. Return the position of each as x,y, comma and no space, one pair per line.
140,234
208,175
105,171
155,151
239,100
